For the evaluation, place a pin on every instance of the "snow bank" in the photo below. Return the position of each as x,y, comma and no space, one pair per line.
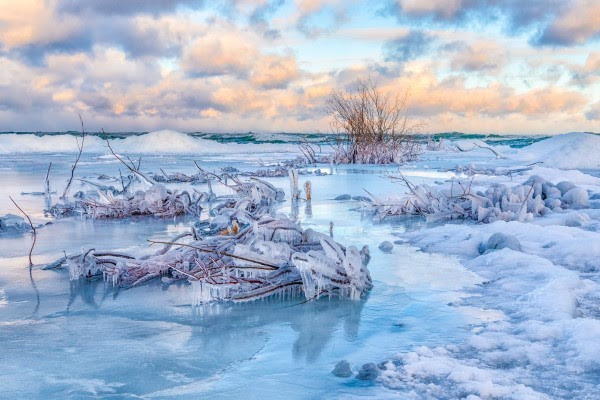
161,142
549,335
571,150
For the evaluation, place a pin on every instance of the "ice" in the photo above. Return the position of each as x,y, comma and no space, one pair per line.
11,223
441,321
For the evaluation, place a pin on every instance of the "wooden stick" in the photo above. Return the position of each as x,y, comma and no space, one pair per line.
32,228
47,181
80,147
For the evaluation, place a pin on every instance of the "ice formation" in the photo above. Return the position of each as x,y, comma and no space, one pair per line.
459,200
265,256
157,201
13,223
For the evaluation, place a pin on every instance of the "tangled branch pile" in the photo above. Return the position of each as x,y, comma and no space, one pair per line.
454,200
157,201
265,256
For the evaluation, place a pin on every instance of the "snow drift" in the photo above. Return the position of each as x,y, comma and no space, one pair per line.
571,150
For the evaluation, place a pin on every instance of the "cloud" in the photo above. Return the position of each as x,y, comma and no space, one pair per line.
577,25
126,7
331,13
35,22
255,64
479,56
548,22
219,53
593,113
437,10
408,47
274,71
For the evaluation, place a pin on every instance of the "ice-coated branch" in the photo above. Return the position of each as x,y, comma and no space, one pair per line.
80,148
265,256
32,229
47,181
133,168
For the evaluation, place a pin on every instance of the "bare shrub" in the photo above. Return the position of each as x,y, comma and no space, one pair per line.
371,126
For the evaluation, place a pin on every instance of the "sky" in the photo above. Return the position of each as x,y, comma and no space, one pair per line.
476,66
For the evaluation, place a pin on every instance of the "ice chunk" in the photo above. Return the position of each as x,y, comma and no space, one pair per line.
343,369
577,197
343,197
501,241
368,372
386,247
565,186
12,222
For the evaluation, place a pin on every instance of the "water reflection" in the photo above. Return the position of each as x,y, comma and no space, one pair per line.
314,322
308,210
221,325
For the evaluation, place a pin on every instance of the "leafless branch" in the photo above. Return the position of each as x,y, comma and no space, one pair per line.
80,147
32,228
133,168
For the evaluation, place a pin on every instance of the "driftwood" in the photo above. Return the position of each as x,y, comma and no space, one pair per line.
179,177
135,169
477,145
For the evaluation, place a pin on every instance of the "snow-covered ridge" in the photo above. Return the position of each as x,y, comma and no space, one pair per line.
571,150
161,142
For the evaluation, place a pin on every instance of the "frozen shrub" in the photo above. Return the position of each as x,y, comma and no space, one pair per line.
371,126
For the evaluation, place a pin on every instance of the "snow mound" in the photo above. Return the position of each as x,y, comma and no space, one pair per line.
158,142
571,150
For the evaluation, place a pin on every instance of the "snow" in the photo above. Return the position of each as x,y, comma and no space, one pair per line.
157,142
568,151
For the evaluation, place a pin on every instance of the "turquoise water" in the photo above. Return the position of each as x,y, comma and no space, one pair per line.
283,137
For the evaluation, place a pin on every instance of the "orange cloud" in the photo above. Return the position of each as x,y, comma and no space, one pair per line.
25,22
219,53
274,71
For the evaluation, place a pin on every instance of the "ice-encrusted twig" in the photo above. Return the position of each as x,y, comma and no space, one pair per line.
133,168
80,148
47,181
33,229
496,153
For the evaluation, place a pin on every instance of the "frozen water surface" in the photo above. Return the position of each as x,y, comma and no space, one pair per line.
62,339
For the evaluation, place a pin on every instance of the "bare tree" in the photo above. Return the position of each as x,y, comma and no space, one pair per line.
372,126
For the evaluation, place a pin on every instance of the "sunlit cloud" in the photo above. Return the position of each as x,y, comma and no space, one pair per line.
238,65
